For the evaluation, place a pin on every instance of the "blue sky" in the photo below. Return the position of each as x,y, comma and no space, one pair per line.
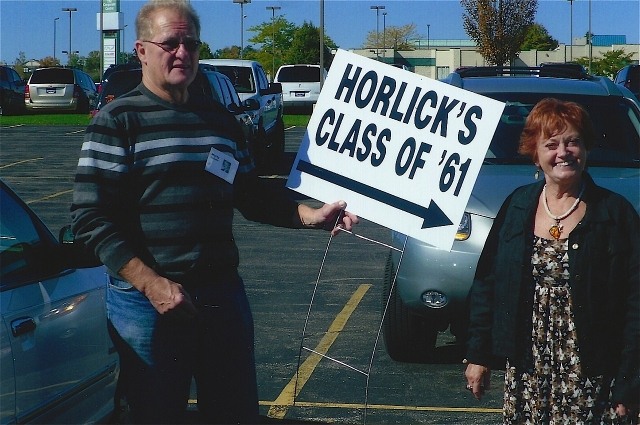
28,25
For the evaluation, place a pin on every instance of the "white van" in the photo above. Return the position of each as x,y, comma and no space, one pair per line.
300,85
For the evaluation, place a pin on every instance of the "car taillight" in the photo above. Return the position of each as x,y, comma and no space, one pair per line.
76,91
27,95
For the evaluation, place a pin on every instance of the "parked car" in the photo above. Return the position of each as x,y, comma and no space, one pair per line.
629,76
57,362
431,287
300,86
62,89
116,84
250,81
218,87
11,92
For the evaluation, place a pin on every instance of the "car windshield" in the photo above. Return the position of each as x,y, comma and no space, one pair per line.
617,129
240,76
299,74
52,75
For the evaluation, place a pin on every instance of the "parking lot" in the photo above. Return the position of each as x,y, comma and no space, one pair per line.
339,372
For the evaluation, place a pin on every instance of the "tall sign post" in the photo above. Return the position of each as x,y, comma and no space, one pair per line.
110,26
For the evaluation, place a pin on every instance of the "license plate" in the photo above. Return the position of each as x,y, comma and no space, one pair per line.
51,91
299,94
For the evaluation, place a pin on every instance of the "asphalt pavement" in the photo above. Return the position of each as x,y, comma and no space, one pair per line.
316,303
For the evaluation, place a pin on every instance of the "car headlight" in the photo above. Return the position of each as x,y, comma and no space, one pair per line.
464,229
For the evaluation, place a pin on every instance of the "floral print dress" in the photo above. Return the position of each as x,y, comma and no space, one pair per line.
554,390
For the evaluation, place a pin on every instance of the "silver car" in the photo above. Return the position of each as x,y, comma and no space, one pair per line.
57,362
300,86
431,287
60,89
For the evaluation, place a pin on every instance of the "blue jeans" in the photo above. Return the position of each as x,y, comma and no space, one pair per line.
160,354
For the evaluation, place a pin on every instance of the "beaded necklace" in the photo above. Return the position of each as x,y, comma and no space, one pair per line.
556,230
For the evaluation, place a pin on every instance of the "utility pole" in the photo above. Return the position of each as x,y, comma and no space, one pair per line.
273,39
70,10
242,3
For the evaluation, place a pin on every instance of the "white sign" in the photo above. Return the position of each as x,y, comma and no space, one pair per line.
401,149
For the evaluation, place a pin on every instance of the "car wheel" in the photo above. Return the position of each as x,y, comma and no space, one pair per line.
406,336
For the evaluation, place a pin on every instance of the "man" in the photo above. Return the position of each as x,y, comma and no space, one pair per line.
152,202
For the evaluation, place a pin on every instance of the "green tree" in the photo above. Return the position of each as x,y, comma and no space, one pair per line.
76,61
392,37
274,37
49,61
305,47
498,26
92,64
205,51
20,60
129,57
537,38
232,52
609,64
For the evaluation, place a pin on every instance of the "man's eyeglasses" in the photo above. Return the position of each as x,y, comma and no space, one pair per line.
172,46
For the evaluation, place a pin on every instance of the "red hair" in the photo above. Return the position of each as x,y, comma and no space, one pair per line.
552,116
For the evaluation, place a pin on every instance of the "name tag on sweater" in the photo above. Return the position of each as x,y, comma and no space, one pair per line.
222,164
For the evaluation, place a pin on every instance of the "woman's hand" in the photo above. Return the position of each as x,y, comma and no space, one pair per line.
478,379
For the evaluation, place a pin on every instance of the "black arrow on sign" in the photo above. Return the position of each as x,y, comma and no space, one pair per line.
432,216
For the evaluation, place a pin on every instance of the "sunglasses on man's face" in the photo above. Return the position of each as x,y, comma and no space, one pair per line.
172,45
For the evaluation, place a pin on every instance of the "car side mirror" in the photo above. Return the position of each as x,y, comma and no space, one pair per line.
274,88
75,254
251,104
66,236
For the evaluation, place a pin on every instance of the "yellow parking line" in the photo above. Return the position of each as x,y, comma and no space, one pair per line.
281,405
328,405
77,131
20,162
390,407
64,192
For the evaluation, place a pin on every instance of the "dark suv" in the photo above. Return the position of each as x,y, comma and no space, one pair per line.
428,288
629,76
11,91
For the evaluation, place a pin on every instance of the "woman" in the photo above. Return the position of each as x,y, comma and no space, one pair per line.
556,290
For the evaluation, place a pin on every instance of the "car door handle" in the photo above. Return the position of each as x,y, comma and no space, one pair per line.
22,325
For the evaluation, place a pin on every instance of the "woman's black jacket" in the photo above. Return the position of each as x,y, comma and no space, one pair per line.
604,257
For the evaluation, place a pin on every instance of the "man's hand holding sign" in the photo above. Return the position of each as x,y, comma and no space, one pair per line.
403,150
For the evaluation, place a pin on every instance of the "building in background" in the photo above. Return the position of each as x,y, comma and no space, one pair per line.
437,58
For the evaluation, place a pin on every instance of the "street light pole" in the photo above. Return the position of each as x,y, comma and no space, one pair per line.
55,22
590,38
377,9
384,34
70,10
242,3
570,30
273,39
428,38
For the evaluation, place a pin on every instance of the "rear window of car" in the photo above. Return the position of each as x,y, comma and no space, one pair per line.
299,74
52,75
241,77
616,126
121,82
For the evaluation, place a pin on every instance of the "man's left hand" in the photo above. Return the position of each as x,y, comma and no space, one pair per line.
326,217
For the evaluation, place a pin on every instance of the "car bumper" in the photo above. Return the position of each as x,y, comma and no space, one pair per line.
64,106
427,274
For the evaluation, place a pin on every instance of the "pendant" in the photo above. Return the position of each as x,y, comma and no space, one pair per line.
555,231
